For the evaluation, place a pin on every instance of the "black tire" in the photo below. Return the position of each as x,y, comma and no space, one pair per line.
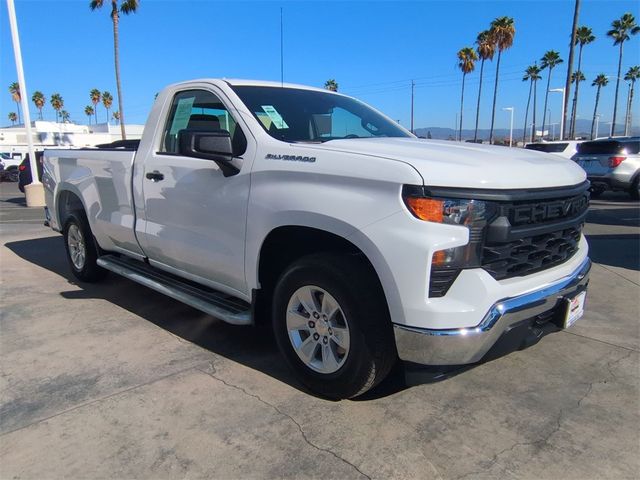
634,191
87,270
371,352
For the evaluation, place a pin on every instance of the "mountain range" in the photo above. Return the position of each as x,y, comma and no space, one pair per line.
583,129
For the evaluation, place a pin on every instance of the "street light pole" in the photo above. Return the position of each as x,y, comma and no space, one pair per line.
34,191
561,90
597,124
510,109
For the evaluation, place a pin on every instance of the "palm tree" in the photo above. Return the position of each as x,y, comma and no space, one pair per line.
486,49
116,116
65,116
549,60
95,97
503,32
631,76
13,117
14,90
89,111
126,7
577,75
531,75
621,31
107,101
331,84
39,101
600,81
466,62
57,103
583,37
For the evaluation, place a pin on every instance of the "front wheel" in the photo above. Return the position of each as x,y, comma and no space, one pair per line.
82,252
332,325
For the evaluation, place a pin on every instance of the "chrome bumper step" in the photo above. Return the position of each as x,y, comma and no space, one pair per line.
217,304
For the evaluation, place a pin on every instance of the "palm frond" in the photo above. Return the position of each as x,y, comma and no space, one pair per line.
129,6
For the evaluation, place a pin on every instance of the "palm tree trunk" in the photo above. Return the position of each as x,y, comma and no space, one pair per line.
629,109
595,111
615,97
626,115
567,83
116,55
96,114
475,135
18,105
461,105
574,106
535,102
526,114
495,97
546,98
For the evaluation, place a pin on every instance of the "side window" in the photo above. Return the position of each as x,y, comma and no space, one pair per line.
202,111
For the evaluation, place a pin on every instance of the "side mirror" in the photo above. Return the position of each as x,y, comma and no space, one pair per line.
211,145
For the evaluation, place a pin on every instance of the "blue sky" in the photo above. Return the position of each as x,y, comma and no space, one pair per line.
373,49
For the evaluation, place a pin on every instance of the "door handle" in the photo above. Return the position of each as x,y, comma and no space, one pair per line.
155,176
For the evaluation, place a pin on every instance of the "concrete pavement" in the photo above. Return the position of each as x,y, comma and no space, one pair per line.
116,381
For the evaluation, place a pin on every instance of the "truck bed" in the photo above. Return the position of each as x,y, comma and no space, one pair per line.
101,177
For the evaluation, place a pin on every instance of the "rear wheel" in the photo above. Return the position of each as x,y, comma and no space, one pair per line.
332,325
82,252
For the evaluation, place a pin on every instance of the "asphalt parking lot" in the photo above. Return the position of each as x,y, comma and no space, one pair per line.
117,381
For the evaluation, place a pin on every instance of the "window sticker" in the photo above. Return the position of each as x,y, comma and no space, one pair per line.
264,118
275,117
182,115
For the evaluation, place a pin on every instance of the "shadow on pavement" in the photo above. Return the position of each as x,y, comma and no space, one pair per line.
16,201
253,347
620,250
628,217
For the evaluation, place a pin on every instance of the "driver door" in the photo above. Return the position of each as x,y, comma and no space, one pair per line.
194,217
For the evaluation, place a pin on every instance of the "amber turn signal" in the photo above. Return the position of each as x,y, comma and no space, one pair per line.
428,209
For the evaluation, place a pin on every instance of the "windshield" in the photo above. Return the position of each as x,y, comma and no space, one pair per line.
295,115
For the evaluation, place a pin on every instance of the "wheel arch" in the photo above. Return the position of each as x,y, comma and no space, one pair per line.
285,243
68,200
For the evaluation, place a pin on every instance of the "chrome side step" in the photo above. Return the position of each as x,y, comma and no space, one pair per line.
217,304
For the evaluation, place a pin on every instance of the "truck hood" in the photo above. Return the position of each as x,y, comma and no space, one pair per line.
455,164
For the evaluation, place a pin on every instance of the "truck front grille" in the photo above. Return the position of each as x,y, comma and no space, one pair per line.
530,254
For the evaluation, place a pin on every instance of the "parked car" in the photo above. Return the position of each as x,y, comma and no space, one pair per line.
24,170
8,175
357,242
564,148
611,164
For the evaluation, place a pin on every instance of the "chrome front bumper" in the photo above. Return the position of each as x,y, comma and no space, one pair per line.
469,345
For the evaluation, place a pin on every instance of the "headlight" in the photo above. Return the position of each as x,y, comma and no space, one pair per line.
443,210
473,214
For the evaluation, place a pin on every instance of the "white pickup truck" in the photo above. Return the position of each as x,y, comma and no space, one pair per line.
306,209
